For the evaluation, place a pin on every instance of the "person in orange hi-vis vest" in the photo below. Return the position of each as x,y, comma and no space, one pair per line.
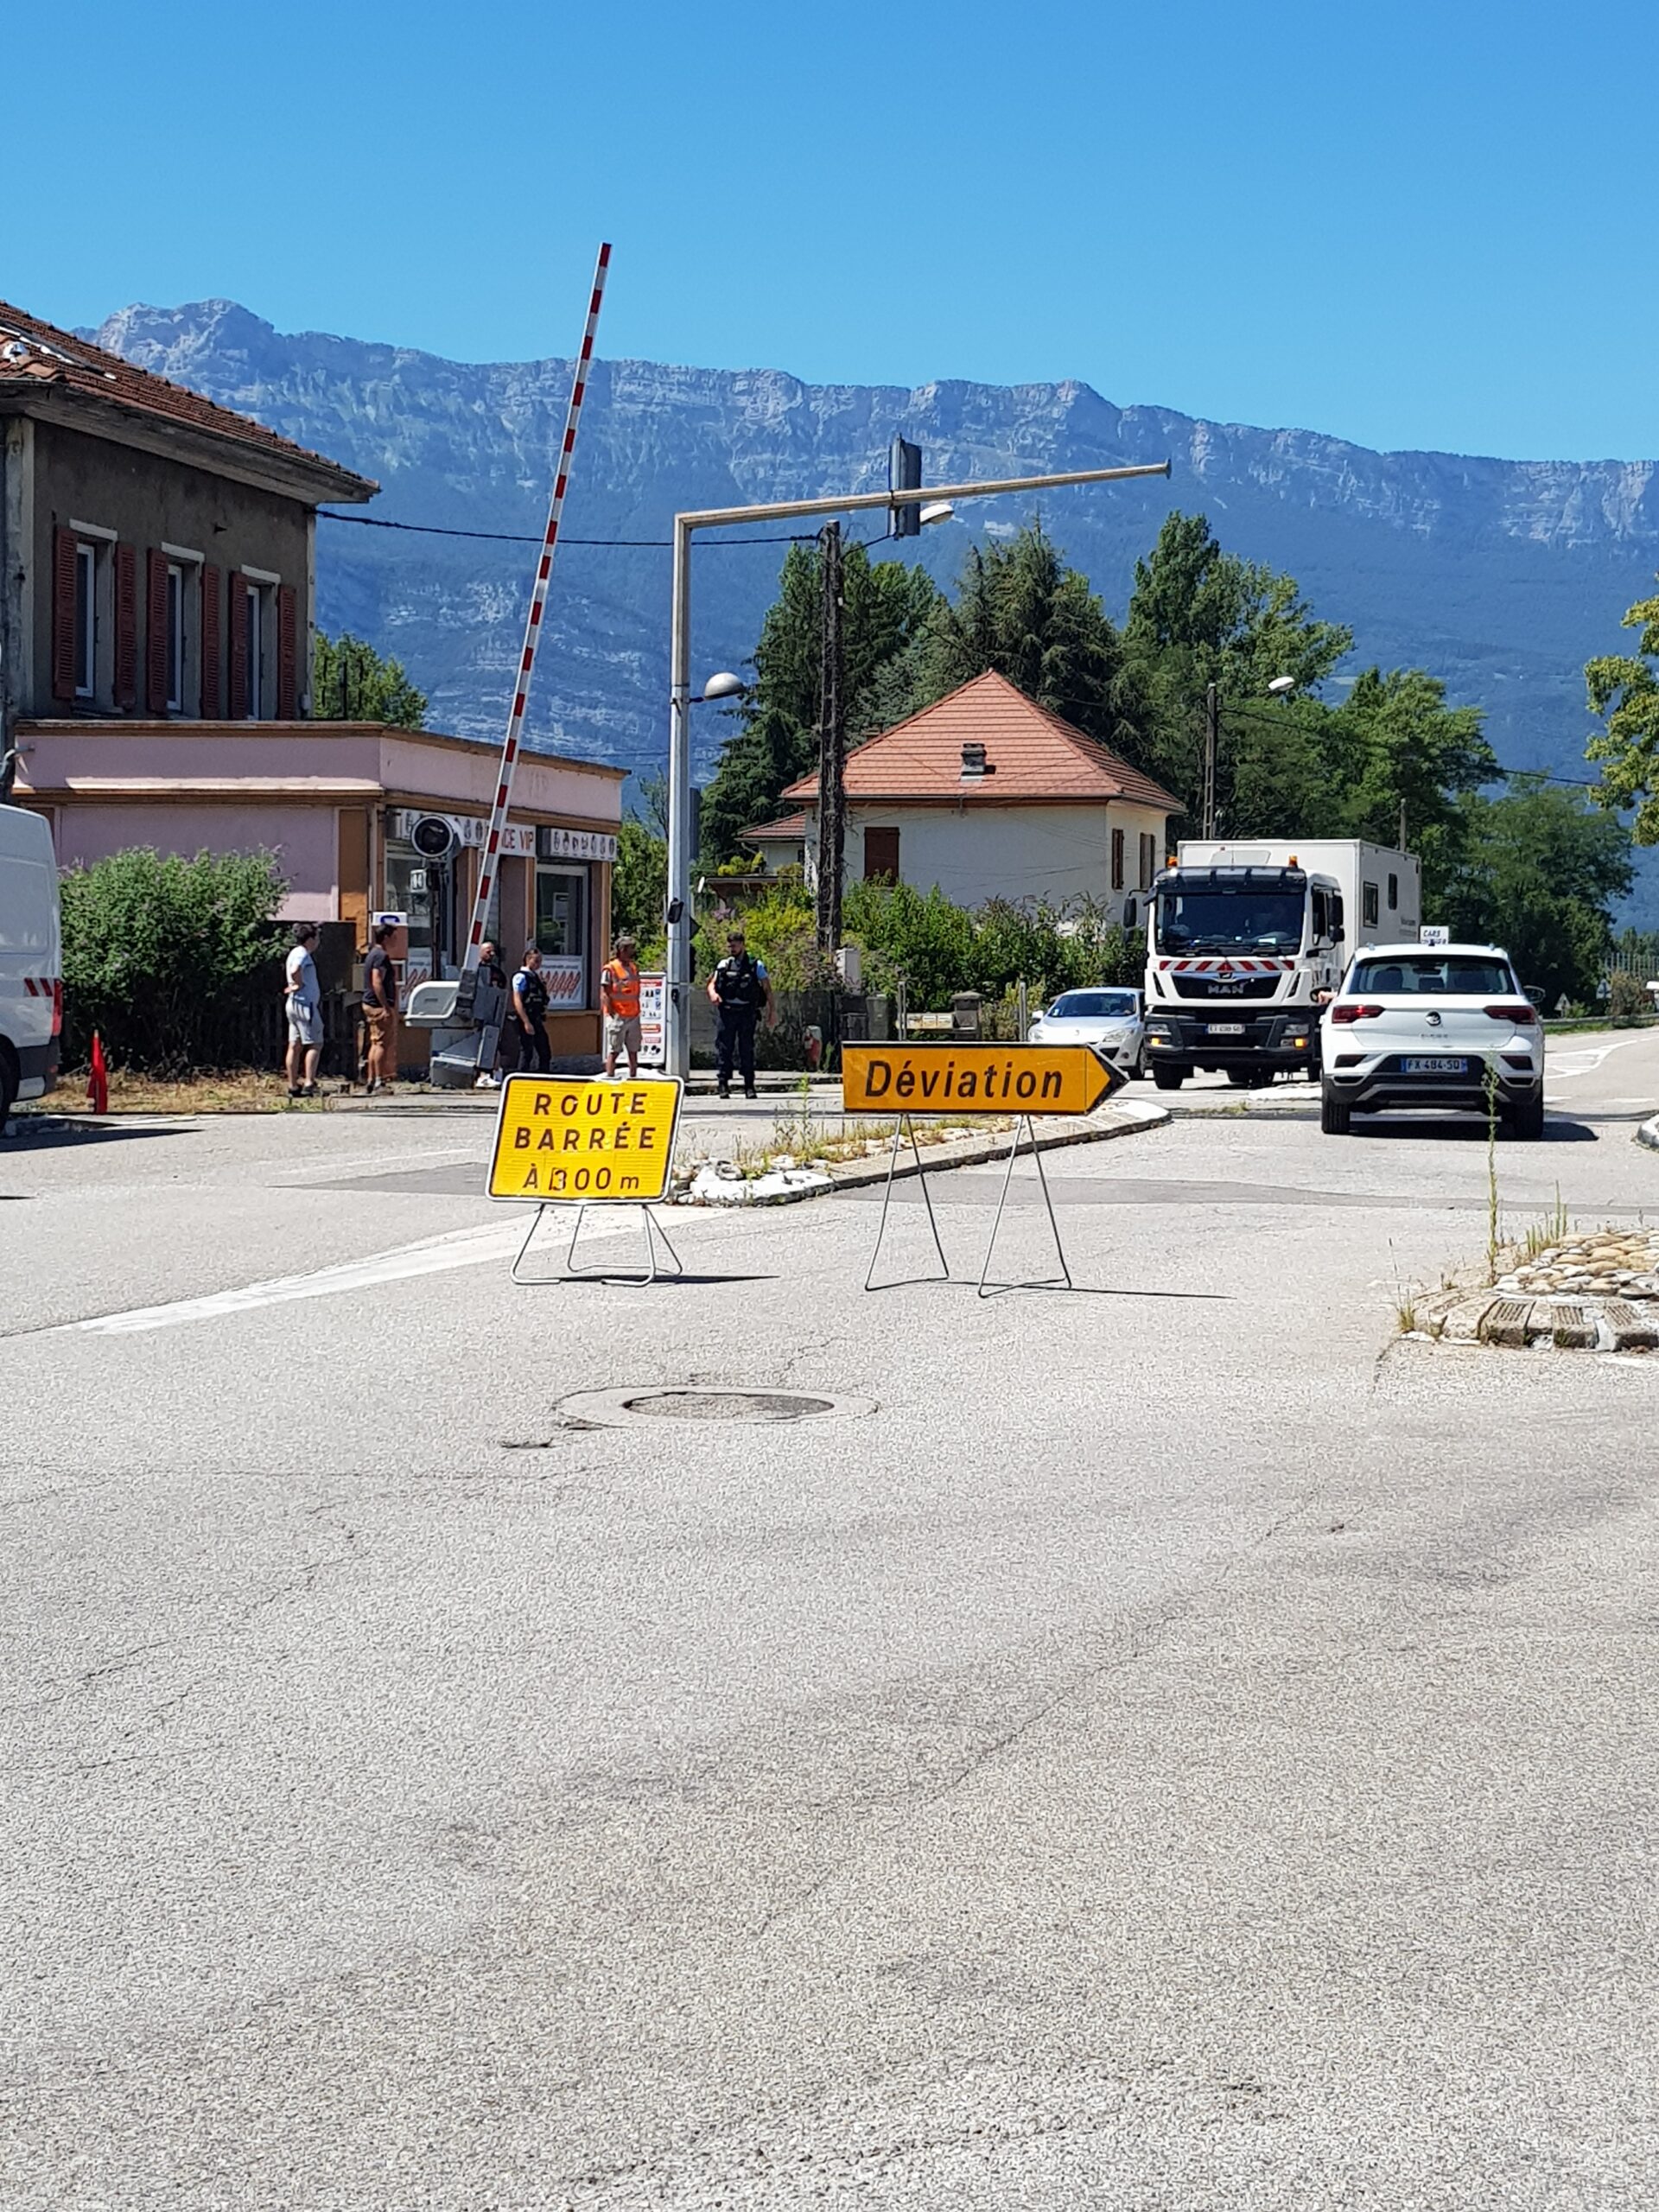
619,995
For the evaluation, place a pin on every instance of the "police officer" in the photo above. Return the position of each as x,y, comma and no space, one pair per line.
738,989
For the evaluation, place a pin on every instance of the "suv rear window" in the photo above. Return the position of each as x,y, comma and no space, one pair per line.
1448,977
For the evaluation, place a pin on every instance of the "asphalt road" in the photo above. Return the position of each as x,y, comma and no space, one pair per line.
1171,1745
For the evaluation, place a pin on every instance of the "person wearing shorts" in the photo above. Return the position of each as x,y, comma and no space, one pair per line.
619,995
380,1013
303,1004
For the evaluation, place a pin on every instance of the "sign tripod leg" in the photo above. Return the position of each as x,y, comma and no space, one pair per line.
654,1233
1063,1281
901,1129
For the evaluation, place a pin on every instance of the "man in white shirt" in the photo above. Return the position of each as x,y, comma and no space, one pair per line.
302,1003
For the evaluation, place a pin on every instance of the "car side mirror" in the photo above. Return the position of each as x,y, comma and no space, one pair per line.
1536,993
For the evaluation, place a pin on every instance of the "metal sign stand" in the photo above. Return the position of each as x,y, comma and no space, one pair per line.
1063,1281
571,1273
901,1129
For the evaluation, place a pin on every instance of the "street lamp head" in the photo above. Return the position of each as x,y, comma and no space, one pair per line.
724,685
1279,686
936,511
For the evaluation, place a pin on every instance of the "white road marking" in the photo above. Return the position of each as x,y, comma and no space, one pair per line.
1581,1060
466,1247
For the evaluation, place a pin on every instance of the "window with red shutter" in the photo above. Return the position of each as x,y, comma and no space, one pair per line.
209,643
238,613
288,685
63,597
156,632
1117,860
126,625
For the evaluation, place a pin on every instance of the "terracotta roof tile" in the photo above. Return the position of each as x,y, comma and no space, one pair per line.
34,353
787,825
1036,756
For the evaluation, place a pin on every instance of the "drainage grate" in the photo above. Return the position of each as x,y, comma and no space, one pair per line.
728,1405
631,1408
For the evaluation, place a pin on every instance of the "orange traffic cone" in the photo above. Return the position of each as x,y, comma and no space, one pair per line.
97,1086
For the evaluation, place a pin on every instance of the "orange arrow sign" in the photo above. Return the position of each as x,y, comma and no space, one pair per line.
974,1079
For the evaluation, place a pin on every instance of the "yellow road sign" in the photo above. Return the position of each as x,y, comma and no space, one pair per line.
974,1079
579,1138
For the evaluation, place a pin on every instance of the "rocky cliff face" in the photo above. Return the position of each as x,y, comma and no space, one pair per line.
1500,576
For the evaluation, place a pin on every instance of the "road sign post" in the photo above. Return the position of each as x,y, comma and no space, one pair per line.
1031,1081
582,1142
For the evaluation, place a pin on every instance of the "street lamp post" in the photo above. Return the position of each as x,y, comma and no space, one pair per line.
678,992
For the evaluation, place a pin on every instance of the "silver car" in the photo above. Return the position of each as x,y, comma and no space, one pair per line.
1108,1019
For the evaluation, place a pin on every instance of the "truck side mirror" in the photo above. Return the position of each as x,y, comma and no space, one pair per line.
1335,915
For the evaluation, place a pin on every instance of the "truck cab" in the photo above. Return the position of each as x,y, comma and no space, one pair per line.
1239,960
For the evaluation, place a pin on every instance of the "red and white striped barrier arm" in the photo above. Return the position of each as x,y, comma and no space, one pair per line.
487,864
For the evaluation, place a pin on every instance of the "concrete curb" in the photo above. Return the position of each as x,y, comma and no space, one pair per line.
1128,1120
1648,1134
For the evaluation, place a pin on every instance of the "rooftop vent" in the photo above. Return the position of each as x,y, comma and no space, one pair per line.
975,765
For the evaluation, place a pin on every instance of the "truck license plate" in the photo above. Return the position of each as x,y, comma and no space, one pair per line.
1437,1067
1226,1029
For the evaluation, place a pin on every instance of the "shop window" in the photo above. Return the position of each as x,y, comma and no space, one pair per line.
562,912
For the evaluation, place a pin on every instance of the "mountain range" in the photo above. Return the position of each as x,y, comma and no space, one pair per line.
1500,576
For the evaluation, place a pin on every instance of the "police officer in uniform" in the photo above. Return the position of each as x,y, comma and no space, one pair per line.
737,990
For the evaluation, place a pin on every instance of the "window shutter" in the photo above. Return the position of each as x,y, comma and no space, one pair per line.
155,633
239,701
209,643
1117,860
63,614
126,626
288,687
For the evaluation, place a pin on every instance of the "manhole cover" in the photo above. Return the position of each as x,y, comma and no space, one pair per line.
729,1405
625,1408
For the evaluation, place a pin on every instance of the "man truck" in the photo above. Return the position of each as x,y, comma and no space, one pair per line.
1246,941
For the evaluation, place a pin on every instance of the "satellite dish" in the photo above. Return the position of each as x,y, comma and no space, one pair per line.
433,837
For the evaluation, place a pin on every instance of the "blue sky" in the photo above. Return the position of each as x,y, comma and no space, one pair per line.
1409,225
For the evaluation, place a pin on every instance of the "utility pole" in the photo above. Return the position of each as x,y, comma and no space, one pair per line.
1212,748
832,748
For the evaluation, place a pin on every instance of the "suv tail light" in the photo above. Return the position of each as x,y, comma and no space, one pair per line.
1520,1013
1352,1012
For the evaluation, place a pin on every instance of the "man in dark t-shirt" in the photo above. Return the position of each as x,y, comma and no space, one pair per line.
380,1011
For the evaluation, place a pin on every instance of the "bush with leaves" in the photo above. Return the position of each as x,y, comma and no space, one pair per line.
160,953
1628,999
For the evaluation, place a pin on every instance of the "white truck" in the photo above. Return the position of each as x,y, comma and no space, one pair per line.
1246,939
31,961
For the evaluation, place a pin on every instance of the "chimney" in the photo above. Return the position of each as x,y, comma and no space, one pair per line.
975,765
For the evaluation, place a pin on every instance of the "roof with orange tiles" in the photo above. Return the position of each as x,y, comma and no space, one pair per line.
36,356
787,826
1037,758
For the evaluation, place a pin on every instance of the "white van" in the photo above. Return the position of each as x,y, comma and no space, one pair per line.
31,963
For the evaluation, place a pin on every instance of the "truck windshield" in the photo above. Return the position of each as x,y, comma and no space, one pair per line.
1243,920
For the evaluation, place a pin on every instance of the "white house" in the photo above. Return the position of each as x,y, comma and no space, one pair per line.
989,795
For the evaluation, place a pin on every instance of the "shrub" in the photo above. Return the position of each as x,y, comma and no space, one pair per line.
1628,999
160,952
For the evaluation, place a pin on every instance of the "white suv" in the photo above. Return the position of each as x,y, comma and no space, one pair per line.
1444,1025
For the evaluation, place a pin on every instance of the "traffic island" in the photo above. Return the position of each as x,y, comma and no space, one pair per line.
1594,1293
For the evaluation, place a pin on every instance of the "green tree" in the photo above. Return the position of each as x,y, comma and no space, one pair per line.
885,605
639,888
350,682
1624,688
1199,615
162,956
1538,873
1021,612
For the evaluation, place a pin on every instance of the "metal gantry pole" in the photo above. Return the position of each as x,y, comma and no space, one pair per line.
488,861
678,1009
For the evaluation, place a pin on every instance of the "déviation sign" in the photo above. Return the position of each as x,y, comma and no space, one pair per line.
951,1078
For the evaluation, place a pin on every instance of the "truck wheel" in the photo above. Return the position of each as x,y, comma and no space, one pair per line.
1333,1114
1168,1078
1243,1078
1527,1118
